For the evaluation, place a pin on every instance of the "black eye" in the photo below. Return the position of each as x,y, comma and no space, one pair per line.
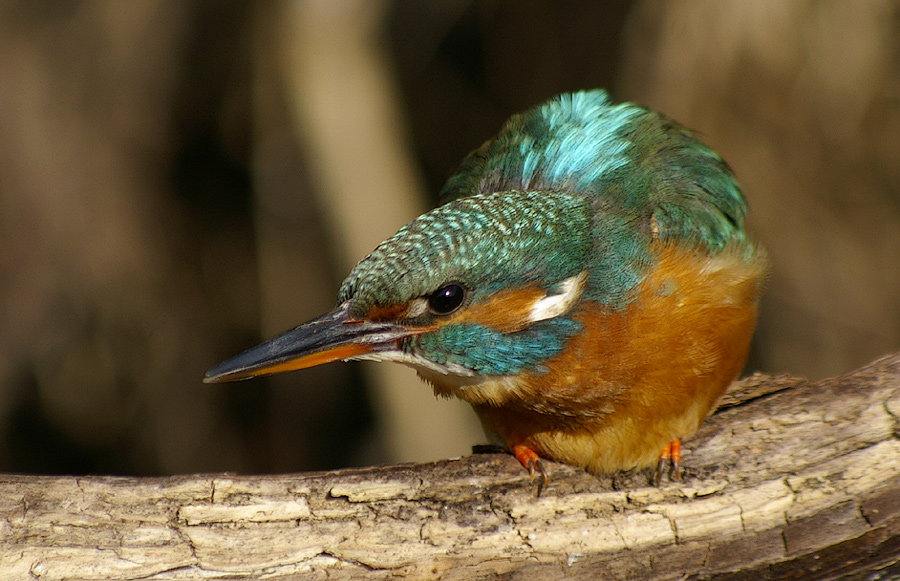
446,299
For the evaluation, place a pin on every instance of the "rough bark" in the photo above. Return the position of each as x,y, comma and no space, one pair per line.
787,479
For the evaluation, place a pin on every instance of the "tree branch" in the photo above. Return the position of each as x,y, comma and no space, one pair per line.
787,478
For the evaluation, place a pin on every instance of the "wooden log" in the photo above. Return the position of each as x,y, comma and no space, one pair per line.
787,479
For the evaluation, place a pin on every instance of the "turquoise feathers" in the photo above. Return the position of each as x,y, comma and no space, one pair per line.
486,351
572,143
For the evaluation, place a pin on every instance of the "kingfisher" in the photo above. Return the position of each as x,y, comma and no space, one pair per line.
585,283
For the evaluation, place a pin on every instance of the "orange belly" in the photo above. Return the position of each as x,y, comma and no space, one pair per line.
638,378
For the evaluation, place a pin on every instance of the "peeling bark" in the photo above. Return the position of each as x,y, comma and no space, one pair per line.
787,479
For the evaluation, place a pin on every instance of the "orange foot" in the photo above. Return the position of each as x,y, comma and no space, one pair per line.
671,454
531,461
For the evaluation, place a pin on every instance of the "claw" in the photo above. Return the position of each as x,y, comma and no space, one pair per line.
532,462
670,454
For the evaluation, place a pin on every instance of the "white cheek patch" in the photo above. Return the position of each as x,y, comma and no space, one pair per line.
550,306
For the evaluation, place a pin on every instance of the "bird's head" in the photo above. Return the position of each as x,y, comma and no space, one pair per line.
482,286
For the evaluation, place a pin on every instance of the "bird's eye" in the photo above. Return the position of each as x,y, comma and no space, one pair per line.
446,299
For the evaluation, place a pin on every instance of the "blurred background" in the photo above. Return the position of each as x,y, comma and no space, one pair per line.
180,179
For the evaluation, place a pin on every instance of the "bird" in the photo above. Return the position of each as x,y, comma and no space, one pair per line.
586,283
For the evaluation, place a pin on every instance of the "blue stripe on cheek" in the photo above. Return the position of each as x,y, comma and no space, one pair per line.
490,352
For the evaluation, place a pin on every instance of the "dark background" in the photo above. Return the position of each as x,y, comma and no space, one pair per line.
166,198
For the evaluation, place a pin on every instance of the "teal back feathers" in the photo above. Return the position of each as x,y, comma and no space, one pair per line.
627,159
576,184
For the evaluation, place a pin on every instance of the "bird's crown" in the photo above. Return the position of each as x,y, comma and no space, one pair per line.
483,243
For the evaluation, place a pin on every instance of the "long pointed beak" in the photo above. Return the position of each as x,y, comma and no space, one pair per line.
328,338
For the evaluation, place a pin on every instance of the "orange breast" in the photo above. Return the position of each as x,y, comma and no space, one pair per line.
636,379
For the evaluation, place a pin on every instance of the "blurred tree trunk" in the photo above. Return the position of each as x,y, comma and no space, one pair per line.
347,115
